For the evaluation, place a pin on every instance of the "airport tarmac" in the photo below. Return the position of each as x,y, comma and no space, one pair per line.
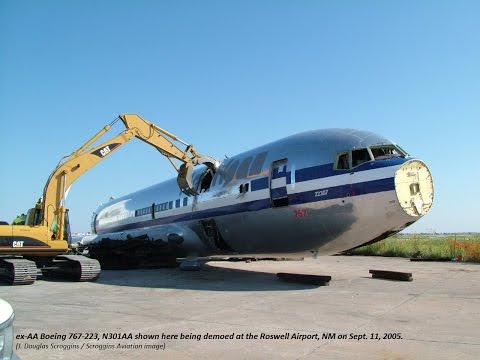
435,316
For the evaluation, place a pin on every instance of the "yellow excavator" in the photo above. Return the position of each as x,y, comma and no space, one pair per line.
42,244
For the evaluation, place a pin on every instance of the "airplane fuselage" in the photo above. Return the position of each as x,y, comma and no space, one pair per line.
319,192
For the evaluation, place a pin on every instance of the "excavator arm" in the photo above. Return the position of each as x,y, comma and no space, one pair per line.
159,138
73,166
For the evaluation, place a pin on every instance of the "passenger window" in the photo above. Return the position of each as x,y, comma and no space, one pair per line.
342,161
360,156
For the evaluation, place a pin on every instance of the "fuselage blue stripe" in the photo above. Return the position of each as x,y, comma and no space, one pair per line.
343,191
259,184
305,197
326,170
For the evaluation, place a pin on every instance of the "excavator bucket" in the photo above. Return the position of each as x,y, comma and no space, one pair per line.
185,173
184,179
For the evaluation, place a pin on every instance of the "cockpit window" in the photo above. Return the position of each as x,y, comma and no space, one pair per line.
382,152
359,156
342,161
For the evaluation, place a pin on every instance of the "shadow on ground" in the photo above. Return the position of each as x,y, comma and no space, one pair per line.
209,278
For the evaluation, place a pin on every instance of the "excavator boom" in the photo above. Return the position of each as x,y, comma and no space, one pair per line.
86,157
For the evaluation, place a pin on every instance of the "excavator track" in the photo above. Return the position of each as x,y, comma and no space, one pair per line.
75,267
18,271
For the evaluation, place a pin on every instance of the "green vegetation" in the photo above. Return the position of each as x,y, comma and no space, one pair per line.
463,247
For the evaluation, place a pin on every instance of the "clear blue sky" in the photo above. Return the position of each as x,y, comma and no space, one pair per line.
230,75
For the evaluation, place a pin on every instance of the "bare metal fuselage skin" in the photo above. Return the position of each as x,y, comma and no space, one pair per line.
287,197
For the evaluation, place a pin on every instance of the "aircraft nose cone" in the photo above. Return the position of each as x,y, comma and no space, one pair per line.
414,187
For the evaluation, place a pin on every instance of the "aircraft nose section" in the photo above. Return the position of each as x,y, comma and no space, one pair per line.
414,187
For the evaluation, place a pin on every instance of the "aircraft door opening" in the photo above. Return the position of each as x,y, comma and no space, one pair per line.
278,183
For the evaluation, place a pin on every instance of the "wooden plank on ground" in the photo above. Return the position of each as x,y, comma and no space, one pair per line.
443,259
320,280
391,275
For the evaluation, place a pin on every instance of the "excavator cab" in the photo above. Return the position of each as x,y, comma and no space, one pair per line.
34,216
